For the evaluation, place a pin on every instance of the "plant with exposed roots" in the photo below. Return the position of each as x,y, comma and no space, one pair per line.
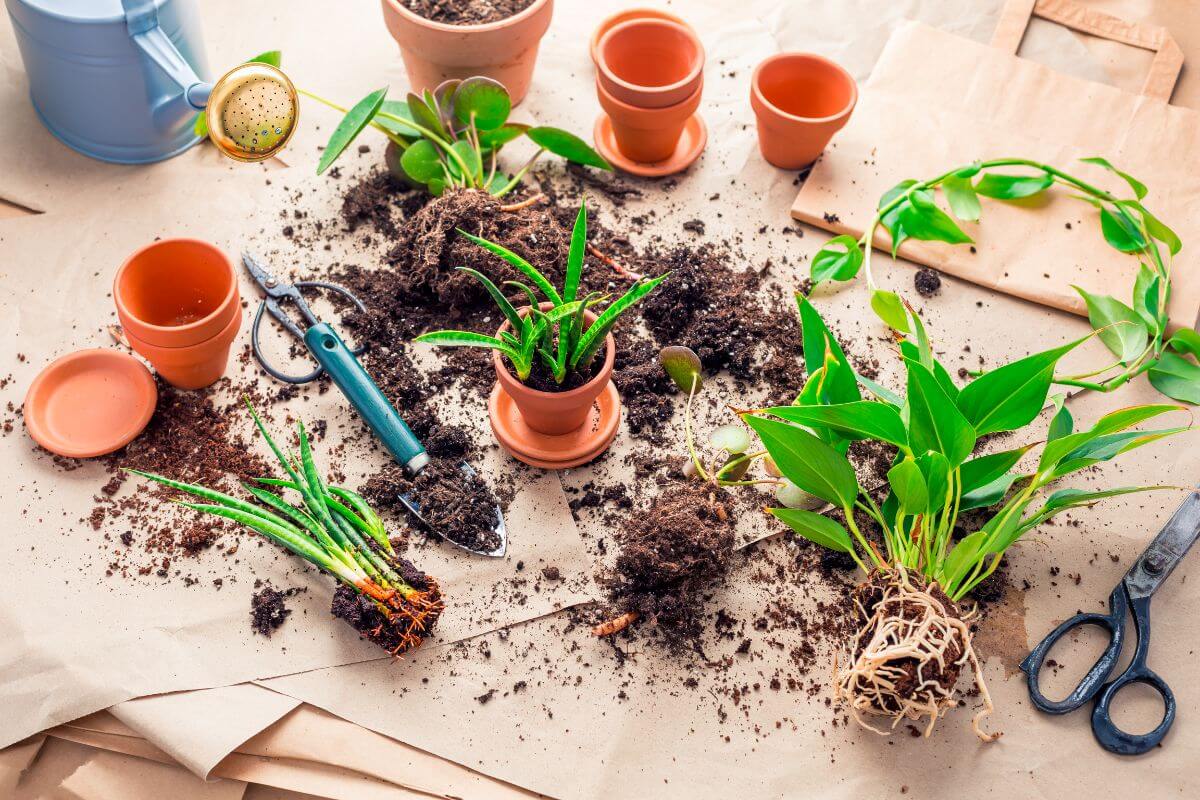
391,602
913,640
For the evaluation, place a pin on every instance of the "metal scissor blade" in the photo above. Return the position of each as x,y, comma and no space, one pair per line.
262,276
1169,547
414,507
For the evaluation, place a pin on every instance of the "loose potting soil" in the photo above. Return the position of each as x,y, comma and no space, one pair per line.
467,12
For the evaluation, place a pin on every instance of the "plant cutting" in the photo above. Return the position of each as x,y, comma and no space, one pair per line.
914,640
387,599
551,345
451,137
1136,333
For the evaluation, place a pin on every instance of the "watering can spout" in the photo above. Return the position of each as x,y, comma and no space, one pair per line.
141,17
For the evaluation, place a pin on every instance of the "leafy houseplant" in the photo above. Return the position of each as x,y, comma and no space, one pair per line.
911,625
452,136
394,604
1135,333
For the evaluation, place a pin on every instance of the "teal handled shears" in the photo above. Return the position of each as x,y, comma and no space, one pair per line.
1132,596
335,359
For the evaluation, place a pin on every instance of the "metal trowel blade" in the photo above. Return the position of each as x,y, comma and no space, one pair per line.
501,532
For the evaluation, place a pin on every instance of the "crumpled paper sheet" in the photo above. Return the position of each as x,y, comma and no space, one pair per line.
597,743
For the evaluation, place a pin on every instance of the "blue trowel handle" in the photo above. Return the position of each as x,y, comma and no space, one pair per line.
332,354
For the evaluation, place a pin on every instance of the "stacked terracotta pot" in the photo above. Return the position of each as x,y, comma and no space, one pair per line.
649,78
179,305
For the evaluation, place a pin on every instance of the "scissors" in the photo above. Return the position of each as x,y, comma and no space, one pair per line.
1133,593
340,362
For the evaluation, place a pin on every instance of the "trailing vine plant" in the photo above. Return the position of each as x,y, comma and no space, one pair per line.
1136,333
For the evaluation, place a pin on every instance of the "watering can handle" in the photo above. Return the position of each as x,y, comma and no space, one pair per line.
141,19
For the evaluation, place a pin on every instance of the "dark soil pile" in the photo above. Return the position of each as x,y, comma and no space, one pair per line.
467,12
453,505
927,282
268,609
672,556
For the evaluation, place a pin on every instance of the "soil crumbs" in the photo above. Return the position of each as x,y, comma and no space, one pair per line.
467,12
268,609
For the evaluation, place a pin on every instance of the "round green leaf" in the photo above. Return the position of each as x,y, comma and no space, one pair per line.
838,260
683,367
567,145
484,100
890,308
731,438
420,161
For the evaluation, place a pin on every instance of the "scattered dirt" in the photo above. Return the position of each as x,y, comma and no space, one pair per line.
467,12
927,282
268,609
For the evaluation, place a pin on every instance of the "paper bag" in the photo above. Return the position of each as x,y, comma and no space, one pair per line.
935,101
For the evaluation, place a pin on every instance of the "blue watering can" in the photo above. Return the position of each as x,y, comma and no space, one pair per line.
123,80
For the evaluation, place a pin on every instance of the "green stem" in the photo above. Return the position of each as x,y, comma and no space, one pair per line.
516,179
392,137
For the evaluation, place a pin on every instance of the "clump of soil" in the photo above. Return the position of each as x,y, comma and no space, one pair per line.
905,660
927,282
453,505
467,12
407,622
672,554
268,609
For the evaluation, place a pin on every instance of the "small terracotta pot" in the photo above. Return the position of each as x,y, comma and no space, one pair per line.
504,51
650,63
647,135
176,293
194,366
555,413
800,100
624,16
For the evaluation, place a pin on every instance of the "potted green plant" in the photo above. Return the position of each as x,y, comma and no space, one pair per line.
547,355
451,137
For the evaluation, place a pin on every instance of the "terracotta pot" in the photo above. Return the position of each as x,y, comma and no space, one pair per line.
555,413
434,52
624,16
647,135
650,63
176,293
800,100
193,366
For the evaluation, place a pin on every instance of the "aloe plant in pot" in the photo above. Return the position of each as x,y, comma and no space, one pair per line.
554,356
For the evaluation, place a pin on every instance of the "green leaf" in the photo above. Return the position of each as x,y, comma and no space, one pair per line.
351,126
593,337
861,419
839,260
1177,378
1005,528
1146,295
908,483
1119,326
200,125
936,471
425,115
683,367
962,558
1139,188
1185,342
518,323
1124,418
1081,450
989,494
1011,396
497,138
421,161
1120,232
935,423
807,461
912,351
467,339
272,57
1073,498
840,384
881,392
961,198
891,220
1013,187
576,254
889,308
470,156
1156,228
1062,423
399,109
567,145
484,100
816,528
520,264
981,471
922,219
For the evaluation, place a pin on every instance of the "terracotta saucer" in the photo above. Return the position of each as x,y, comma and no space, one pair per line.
691,145
90,403
555,452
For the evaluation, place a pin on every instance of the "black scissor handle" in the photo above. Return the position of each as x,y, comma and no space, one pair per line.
272,304
1091,683
1111,737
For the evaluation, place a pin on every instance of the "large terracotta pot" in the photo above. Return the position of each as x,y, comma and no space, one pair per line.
555,413
504,51
179,305
800,101
648,135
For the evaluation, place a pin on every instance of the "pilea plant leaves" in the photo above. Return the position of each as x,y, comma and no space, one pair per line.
421,161
351,125
683,367
807,461
816,528
482,101
567,145
839,260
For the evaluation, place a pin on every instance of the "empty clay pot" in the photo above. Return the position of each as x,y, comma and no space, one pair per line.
176,292
800,101
556,413
504,51
647,135
625,16
193,366
650,63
